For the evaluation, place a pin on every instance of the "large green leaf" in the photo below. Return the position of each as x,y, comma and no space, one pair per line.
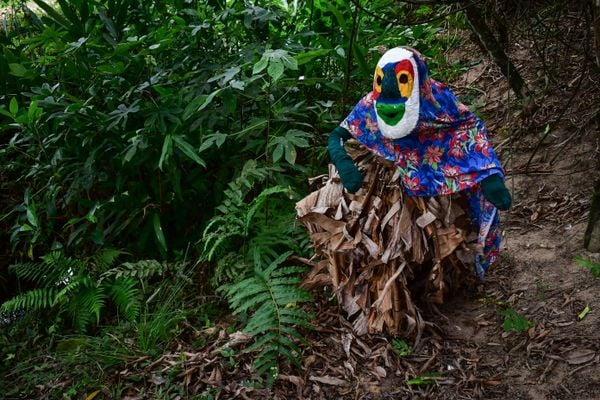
167,149
158,232
309,56
188,150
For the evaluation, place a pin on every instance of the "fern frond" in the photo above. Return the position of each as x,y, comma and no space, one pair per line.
278,234
35,299
261,341
248,302
125,294
230,266
244,291
72,286
54,268
283,296
284,350
264,319
61,266
294,317
275,264
81,318
293,271
215,240
272,292
262,253
105,258
261,285
266,360
86,305
214,221
142,269
69,286
293,332
236,215
258,202
30,271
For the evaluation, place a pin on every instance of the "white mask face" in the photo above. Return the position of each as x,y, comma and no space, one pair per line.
396,93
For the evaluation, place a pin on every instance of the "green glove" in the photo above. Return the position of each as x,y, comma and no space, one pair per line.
496,192
349,173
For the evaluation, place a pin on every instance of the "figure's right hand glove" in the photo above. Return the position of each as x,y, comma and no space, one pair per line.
349,173
495,192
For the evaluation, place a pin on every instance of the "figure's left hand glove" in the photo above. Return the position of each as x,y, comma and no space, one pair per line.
350,176
496,192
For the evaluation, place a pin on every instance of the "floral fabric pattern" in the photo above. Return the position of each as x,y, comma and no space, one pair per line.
447,152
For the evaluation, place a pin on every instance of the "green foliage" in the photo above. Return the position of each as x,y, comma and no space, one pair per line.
593,267
514,322
164,309
272,294
126,119
251,240
81,363
66,286
401,348
426,379
235,216
124,293
141,269
29,358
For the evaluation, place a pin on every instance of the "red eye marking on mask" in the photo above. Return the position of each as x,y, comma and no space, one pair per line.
405,65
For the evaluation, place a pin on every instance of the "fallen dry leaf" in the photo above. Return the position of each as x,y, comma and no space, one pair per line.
157,379
329,380
580,356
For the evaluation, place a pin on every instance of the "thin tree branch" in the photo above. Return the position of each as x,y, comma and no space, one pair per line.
489,42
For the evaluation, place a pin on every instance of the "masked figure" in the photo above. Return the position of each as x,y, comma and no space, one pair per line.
438,145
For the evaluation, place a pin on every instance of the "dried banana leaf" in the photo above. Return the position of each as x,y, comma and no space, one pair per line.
382,251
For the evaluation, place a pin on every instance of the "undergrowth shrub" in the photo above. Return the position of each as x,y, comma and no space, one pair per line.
123,121
590,265
78,288
272,295
252,239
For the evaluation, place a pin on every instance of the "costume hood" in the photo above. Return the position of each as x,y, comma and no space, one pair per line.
442,148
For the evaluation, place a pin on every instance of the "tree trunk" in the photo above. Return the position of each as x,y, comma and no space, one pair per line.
591,239
596,23
489,42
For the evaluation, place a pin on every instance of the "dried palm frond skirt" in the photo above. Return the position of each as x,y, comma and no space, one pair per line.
382,251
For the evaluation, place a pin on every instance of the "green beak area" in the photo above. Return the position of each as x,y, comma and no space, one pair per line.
391,114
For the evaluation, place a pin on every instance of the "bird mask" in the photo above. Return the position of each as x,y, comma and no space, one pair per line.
396,93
